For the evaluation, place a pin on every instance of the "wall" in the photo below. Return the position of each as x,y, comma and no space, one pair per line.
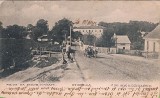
96,32
127,46
151,44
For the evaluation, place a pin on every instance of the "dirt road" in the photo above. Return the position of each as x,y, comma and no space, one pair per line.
106,67
116,67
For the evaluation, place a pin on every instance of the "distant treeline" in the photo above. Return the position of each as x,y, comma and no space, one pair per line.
132,29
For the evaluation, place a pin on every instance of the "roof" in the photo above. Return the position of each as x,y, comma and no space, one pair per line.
90,27
123,39
43,37
155,34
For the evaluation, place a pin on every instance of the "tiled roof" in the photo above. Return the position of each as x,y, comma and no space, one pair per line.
155,34
90,27
123,39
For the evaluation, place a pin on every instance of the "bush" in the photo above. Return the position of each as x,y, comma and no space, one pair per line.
15,51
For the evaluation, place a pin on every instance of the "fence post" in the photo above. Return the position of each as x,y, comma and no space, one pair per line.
49,54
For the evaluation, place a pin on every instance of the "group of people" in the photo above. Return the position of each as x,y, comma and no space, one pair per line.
67,49
91,51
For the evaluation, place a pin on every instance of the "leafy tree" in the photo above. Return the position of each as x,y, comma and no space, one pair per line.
38,30
15,31
89,39
1,27
15,51
106,39
60,30
77,35
29,30
43,26
131,29
1,30
30,27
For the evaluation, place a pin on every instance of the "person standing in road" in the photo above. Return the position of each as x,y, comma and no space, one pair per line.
63,52
68,50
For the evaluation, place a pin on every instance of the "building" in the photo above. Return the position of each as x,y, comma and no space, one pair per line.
122,42
152,42
94,30
43,38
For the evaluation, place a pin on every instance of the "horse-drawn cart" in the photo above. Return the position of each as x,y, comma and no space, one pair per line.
90,52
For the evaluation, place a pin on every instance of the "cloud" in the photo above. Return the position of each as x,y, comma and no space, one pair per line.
142,11
1,2
34,11
23,13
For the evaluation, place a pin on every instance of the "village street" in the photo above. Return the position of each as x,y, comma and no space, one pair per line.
106,67
113,67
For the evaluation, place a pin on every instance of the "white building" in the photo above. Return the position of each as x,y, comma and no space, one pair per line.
43,38
123,42
95,30
152,41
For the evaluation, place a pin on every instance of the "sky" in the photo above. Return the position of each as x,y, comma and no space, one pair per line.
29,12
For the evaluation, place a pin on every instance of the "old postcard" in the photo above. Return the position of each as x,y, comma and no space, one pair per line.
79,49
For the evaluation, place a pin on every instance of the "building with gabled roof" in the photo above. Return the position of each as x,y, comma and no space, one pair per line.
122,42
152,41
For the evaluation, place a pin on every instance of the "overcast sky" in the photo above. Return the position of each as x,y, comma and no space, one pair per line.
26,12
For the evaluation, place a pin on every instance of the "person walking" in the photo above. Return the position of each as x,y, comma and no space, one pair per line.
68,50
63,52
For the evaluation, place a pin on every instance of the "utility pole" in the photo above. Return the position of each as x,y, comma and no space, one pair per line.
115,37
70,35
65,38
116,44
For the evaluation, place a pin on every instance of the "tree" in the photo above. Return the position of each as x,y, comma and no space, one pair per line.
1,30
77,35
38,30
30,27
43,26
131,29
15,31
1,25
89,39
61,30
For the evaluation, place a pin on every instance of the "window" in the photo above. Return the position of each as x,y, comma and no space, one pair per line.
154,47
99,30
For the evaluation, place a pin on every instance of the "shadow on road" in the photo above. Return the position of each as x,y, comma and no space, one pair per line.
43,75
99,57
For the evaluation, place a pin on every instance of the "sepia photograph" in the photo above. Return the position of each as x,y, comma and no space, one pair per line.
80,42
